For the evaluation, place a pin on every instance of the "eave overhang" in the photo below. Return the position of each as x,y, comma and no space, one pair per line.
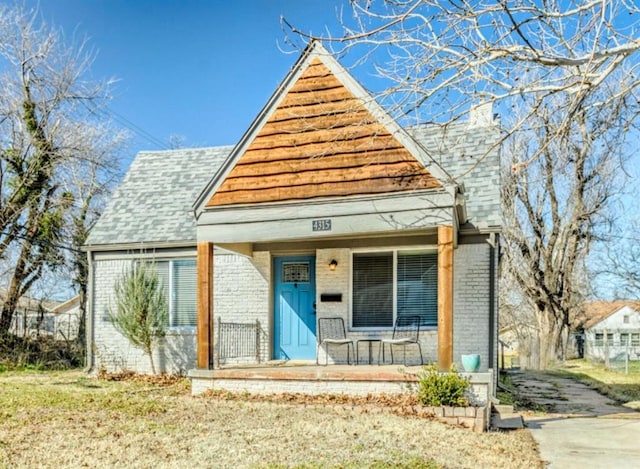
326,218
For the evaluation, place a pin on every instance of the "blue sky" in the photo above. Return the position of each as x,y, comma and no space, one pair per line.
194,68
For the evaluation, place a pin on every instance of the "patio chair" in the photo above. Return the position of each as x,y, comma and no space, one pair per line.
405,332
331,332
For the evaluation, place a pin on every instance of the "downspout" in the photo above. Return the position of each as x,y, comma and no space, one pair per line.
89,315
493,246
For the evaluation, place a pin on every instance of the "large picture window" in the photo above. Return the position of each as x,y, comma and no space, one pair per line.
396,283
179,280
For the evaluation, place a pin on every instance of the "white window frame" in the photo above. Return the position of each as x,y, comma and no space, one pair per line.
610,338
422,249
171,294
598,339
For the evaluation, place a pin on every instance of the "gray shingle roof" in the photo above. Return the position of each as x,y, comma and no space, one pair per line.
471,155
153,202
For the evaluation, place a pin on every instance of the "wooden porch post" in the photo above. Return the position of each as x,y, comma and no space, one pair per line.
204,349
445,297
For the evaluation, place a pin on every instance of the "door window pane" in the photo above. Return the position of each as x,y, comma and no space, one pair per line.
295,272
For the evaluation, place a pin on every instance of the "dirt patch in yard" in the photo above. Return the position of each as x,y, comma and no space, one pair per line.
70,420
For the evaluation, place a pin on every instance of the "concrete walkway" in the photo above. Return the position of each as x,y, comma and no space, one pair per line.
581,428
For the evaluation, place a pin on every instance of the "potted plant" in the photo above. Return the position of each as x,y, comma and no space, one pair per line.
470,362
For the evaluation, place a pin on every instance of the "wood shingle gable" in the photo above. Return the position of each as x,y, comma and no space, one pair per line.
321,136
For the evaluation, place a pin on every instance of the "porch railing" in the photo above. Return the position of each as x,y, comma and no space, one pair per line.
238,340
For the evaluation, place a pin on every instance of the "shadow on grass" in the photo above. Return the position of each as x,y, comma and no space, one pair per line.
509,394
623,389
622,393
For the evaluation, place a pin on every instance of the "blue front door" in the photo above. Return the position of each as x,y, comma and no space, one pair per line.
295,315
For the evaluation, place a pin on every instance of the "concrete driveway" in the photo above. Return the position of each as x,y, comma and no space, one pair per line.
582,428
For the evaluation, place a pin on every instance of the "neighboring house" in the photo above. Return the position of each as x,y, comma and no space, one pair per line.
35,317
510,346
325,207
67,319
611,330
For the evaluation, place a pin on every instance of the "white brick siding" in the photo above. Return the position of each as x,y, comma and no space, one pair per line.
471,302
112,351
254,381
242,294
339,281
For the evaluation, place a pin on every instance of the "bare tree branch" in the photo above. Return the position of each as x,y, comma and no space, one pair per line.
57,156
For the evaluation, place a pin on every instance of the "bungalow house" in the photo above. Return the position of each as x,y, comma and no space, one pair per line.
326,207
611,329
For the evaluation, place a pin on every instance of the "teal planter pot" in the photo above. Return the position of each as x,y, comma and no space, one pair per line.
470,363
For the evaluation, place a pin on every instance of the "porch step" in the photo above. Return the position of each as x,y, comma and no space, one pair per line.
503,417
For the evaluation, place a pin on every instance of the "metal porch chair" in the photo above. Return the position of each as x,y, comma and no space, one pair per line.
405,332
331,331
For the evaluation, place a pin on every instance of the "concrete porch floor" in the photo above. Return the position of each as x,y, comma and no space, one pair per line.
309,371
309,378
271,378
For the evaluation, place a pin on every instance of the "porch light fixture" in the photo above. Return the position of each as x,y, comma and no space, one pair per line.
333,264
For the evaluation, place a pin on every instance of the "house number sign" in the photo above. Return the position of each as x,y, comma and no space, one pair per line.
321,225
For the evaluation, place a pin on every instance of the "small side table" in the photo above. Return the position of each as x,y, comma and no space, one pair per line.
370,341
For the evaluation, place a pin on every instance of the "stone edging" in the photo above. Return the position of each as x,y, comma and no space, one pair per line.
474,418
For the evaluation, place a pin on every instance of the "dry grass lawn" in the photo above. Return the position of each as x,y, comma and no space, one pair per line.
66,419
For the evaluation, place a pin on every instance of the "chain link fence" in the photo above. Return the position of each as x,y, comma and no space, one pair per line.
59,326
617,350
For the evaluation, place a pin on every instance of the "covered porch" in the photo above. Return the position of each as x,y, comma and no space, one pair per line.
333,297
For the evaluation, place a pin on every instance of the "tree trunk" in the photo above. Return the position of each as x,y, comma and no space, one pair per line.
563,339
7,315
547,337
9,306
153,365
82,316
553,338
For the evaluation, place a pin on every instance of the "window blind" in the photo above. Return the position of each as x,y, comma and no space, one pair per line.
161,268
178,279
373,289
417,293
184,293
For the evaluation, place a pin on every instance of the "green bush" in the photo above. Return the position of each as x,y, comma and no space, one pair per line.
438,389
141,312
39,353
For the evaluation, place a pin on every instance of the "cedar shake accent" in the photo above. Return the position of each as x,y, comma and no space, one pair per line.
321,142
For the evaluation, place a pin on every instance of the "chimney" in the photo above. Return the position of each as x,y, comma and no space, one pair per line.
481,115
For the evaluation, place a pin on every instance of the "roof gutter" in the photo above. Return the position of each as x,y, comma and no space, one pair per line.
138,246
89,320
